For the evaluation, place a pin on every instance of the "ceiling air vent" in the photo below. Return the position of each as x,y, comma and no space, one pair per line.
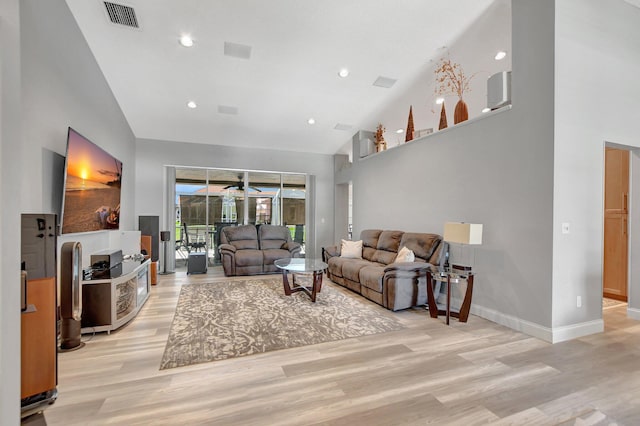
121,14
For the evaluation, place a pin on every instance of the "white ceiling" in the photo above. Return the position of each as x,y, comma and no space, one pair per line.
297,49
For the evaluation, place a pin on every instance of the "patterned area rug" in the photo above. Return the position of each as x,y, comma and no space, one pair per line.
215,321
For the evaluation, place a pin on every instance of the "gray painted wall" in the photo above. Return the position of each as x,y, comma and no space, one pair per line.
496,170
596,101
63,86
10,156
154,155
48,81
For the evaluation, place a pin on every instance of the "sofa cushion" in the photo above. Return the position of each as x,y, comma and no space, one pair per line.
351,269
273,237
387,249
371,277
248,257
369,239
336,263
422,245
351,249
389,240
241,237
271,255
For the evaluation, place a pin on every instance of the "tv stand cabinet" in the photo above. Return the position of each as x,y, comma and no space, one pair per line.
109,303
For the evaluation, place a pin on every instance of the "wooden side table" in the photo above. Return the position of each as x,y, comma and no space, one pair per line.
450,276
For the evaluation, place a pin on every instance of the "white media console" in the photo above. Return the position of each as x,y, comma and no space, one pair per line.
110,302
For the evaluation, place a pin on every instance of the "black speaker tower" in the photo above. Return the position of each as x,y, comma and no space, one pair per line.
165,237
150,225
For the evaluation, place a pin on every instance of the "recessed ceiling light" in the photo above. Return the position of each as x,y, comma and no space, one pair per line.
191,104
399,130
311,121
343,73
486,109
501,55
439,101
186,40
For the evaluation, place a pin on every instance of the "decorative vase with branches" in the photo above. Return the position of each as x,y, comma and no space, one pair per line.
381,144
451,79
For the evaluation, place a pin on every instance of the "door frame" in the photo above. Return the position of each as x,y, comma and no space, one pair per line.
633,244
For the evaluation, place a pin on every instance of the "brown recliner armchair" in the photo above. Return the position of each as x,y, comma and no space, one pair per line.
251,250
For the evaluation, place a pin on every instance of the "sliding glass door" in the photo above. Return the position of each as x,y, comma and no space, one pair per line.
208,200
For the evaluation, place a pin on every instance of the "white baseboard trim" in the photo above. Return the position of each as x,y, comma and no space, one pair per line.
551,335
573,331
633,313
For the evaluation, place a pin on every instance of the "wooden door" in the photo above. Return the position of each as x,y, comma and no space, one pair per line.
616,202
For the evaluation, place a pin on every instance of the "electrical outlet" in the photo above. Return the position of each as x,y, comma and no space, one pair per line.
579,302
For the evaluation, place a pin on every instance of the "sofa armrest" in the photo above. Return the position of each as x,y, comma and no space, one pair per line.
227,248
418,267
329,252
293,248
291,245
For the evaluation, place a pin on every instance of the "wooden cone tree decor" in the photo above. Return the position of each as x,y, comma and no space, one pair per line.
443,118
410,128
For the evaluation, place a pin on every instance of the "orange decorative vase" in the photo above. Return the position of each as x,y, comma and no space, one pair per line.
461,112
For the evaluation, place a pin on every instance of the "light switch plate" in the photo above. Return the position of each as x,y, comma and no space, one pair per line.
565,228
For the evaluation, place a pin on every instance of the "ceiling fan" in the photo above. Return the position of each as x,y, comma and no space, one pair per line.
240,185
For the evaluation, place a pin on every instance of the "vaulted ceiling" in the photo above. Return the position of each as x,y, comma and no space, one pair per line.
259,70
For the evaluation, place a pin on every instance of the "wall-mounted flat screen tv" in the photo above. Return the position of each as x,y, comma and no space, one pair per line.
92,187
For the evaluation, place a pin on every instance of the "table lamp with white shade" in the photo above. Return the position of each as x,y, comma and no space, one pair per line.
463,234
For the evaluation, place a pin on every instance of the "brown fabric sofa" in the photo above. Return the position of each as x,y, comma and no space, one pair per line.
251,250
377,277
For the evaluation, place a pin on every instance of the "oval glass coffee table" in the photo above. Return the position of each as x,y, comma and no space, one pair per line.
314,267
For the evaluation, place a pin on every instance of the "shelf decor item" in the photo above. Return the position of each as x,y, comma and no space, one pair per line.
451,79
443,118
410,129
381,145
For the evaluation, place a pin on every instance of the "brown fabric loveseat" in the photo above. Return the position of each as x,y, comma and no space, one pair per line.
251,250
394,285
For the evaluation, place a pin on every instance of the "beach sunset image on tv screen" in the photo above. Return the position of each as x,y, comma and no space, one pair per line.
92,187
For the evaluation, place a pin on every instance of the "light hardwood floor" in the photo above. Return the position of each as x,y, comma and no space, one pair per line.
466,374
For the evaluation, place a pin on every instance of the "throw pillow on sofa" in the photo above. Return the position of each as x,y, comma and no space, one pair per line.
351,249
405,255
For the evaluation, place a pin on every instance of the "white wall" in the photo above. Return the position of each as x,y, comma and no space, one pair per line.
154,155
496,170
596,101
48,80
474,51
10,149
63,86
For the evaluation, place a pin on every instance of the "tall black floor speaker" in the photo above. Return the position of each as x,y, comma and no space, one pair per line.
165,237
150,225
38,317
